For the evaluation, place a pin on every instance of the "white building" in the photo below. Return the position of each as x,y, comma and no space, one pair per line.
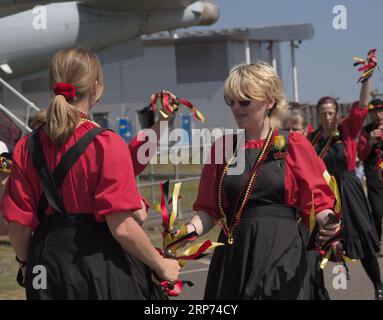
193,65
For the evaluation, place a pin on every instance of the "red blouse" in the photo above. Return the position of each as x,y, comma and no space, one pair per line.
134,146
102,181
303,175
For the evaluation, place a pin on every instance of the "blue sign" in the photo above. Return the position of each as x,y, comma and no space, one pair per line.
186,120
125,129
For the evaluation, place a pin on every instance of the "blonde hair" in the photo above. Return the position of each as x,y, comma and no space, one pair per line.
39,119
80,68
257,81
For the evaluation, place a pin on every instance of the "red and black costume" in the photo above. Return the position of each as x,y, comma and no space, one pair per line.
64,194
372,156
339,154
267,259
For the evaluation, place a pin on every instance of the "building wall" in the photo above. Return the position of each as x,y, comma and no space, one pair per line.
195,72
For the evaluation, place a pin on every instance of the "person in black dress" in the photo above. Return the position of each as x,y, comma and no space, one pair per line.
295,120
264,256
336,145
370,151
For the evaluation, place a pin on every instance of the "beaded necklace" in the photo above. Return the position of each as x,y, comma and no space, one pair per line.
246,189
84,117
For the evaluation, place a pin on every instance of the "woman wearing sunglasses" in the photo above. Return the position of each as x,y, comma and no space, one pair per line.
263,256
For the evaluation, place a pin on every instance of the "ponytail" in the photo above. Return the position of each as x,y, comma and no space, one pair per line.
73,73
62,119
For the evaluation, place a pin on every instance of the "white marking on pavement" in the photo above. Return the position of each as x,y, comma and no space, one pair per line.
207,262
195,270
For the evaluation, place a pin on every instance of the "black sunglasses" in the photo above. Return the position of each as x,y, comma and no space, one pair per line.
242,103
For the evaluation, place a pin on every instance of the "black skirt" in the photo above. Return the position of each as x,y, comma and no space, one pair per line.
266,261
318,290
375,196
83,261
360,236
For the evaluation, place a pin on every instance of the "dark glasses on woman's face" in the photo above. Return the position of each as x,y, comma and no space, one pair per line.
242,103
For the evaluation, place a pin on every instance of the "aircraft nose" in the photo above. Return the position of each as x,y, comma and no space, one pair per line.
210,13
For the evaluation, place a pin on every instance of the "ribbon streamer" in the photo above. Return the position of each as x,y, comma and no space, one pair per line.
368,65
312,214
5,162
173,239
171,105
331,181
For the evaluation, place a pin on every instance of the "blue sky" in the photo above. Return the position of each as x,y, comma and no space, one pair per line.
325,62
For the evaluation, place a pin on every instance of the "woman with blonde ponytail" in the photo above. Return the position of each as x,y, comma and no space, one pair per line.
71,199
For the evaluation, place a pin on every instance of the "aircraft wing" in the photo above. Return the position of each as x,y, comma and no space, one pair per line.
8,7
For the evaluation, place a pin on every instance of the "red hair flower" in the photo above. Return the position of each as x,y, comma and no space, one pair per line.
65,89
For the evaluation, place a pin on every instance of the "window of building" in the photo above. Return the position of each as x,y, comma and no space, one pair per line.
34,85
102,118
201,62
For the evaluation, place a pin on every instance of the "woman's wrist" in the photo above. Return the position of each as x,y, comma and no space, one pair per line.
190,227
22,262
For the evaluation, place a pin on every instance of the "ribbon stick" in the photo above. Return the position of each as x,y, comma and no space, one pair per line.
5,163
368,65
174,238
312,214
170,104
331,181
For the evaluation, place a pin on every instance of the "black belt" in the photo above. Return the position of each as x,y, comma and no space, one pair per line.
68,220
270,211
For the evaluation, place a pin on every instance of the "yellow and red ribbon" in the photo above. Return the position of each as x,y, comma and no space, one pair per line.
5,163
368,65
170,104
327,250
173,239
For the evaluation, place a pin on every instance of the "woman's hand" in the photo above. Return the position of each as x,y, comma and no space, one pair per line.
21,275
375,136
168,270
329,225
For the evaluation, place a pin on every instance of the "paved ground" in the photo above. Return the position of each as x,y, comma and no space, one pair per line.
358,288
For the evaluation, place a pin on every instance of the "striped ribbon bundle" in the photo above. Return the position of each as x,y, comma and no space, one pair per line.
174,239
368,65
333,248
170,104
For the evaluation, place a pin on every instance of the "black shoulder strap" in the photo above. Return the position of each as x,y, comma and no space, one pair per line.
314,135
59,174
46,179
67,162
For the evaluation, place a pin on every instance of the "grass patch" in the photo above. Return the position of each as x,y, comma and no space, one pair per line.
9,289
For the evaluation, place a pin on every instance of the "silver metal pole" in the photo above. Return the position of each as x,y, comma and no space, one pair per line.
246,44
295,74
152,189
18,122
10,88
272,56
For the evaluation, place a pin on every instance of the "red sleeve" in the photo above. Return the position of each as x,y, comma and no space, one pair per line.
207,191
354,122
139,162
116,190
19,197
364,149
304,175
146,203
